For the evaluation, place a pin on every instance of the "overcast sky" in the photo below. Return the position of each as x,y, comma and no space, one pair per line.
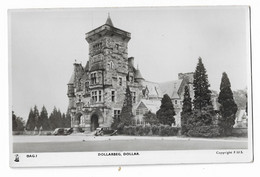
165,41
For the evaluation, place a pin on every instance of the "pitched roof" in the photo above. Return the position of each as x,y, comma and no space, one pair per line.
87,66
151,105
153,89
109,21
71,81
171,88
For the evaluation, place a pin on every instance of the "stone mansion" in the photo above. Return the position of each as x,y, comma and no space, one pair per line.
96,91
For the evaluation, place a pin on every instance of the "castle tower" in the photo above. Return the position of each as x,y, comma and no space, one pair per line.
107,70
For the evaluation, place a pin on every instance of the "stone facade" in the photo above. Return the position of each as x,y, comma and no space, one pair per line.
96,91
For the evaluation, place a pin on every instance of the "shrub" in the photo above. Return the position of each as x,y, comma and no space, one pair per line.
147,129
155,130
204,131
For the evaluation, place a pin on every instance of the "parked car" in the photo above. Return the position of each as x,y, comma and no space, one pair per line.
99,131
58,131
68,131
62,131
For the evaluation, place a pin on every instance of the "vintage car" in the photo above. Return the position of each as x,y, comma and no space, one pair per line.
62,131
99,131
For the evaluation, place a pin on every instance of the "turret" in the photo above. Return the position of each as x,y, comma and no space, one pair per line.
138,76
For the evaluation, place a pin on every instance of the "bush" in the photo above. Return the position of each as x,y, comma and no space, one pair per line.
141,130
147,129
204,131
155,130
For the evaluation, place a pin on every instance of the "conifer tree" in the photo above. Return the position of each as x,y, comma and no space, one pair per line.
202,94
228,106
126,117
31,123
186,110
166,112
53,119
36,117
14,123
67,119
203,110
43,119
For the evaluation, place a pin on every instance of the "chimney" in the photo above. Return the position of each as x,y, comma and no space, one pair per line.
131,61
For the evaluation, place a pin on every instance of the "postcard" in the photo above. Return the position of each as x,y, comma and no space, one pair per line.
130,86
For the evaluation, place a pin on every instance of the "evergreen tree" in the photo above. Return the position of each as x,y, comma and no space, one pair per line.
126,117
67,119
150,118
202,97
203,110
43,119
31,123
53,119
59,119
36,117
14,123
166,112
20,124
63,120
228,106
186,110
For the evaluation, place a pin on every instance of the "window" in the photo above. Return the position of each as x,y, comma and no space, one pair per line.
79,84
110,65
93,77
120,81
117,114
134,97
137,112
131,78
176,101
113,95
97,46
87,86
94,96
99,96
79,98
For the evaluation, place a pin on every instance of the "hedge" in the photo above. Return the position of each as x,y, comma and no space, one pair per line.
204,131
144,130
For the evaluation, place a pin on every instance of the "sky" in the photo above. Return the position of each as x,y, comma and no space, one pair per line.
44,44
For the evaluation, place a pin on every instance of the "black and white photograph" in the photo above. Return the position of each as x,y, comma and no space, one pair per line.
130,86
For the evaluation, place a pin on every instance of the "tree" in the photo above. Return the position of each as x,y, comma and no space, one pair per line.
53,119
31,122
150,118
166,112
202,94
43,119
203,109
36,116
67,119
126,117
14,123
186,110
228,106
